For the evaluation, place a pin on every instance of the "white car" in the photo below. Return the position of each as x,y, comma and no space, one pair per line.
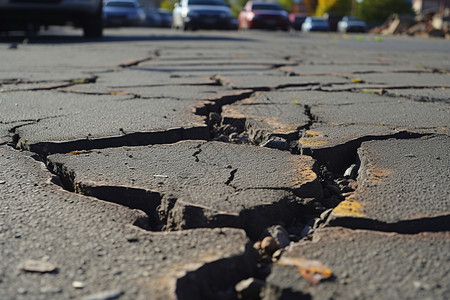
351,24
32,15
204,14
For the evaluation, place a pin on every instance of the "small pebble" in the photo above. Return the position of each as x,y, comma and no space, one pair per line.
37,266
276,143
351,172
249,288
257,245
78,284
107,295
269,245
280,235
277,254
2,182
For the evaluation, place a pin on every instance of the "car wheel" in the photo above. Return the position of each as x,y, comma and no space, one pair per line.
93,26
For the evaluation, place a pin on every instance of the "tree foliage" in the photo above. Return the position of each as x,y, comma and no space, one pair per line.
341,7
168,4
380,10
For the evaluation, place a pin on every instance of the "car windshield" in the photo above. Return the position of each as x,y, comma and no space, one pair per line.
266,6
353,19
120,4
207,2
318,21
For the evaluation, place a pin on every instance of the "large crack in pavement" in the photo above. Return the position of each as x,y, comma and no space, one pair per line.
43,85
210,194
184,178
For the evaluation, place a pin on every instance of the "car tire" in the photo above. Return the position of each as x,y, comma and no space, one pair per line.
93,26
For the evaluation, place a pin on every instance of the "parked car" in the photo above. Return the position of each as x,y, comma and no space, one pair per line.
297,20
158,18
32,16
202,14
263,15
332,19
123,13
352,24
165,18
315,24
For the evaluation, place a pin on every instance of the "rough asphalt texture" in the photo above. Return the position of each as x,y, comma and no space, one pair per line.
133,167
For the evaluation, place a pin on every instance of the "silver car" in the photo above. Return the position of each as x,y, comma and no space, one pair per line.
204,14
32,15
351,24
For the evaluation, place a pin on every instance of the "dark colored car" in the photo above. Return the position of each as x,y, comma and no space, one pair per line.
158,18
263,15
165,18
297,20
123,13
202,14
352,24
315,24
33,15
332,19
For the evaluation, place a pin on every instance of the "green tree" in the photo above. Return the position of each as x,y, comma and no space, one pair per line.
380,10
286,4
341,7
168,4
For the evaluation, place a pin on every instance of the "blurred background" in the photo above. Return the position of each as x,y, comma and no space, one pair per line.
413,17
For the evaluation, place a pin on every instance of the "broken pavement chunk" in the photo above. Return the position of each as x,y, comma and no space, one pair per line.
399,193
368,265
212,184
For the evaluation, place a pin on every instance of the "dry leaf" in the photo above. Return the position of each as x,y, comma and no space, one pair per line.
312,270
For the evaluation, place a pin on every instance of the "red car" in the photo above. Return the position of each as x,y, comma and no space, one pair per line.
263,15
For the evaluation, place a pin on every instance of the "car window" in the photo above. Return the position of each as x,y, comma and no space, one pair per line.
266,6
207,2
121,4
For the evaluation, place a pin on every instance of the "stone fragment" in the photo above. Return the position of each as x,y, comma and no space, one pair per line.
78,284
106,295
392,194
257,245
276,142
368,264
269,245
37,266
280,235
277,254
249,288
351,172
2,182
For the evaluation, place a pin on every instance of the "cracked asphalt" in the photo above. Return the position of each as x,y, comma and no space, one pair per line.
154,164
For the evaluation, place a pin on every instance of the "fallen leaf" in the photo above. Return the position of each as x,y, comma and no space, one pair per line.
80,151
312,270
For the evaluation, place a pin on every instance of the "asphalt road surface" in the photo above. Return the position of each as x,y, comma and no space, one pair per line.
161,164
